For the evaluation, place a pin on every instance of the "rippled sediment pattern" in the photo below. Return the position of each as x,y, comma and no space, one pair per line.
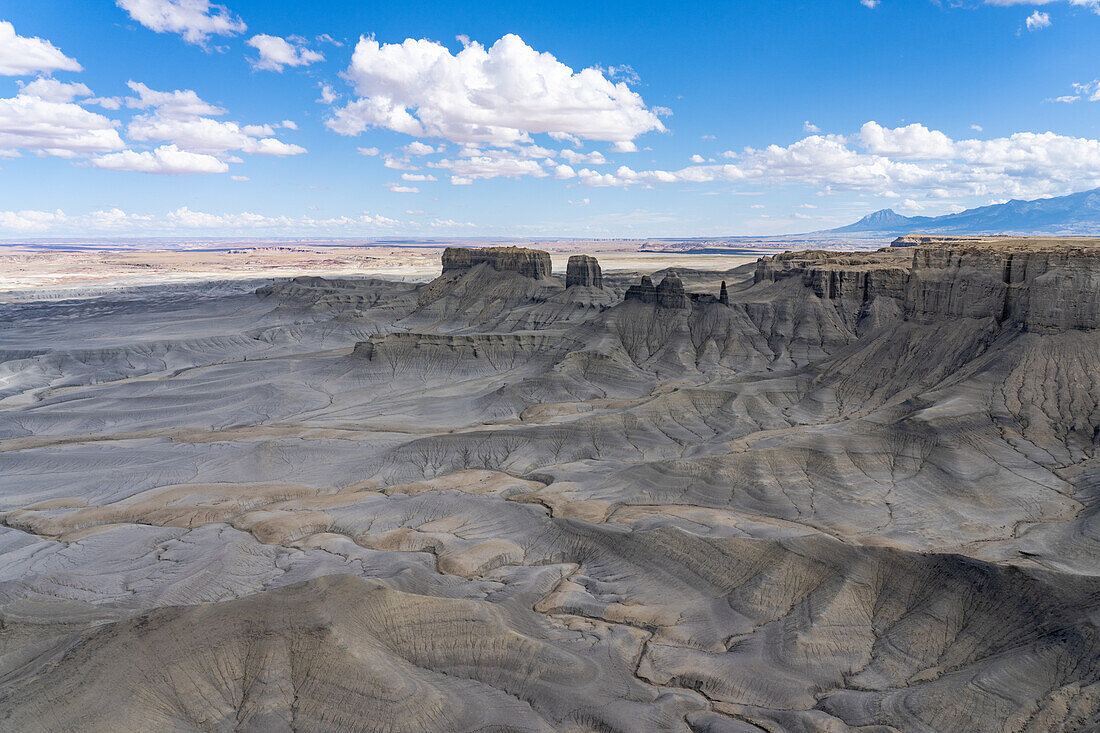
862,495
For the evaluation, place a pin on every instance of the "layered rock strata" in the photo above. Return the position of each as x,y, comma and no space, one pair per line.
863,494
530,263
643,292
669,293
584,271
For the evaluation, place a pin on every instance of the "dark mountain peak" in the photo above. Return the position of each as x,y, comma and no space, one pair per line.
882,216
881,220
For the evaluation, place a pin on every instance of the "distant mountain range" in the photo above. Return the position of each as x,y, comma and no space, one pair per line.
1077,213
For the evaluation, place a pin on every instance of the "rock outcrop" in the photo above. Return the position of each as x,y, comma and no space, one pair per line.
532,263
851,491
1041,286
643,292
669,293
831,275
584,271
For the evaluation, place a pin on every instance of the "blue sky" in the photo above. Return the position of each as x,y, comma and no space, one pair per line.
186,118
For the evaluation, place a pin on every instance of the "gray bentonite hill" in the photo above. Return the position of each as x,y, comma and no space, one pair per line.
825,492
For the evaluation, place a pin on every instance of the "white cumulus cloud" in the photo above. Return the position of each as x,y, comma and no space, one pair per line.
1093,5
182,119
593,158
492,163
165,160
20,56
498,95
194,20
43,119
277,53
1037,21
911,141
911,159
183,220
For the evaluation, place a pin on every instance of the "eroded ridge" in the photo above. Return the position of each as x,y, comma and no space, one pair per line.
827,491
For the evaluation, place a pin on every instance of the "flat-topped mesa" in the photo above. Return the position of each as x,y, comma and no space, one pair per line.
858,276
583,270
920,240
1038,284
532,263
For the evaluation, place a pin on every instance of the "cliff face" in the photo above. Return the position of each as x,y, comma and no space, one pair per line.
1036,284
530,263
583,270
832,276
668,294
1046,289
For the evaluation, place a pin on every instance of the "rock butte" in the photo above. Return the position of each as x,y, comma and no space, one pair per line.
531,263
823,492
583,270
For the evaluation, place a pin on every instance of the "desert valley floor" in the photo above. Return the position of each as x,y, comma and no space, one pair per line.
844,491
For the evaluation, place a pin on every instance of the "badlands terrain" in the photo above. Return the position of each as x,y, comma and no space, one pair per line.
821,491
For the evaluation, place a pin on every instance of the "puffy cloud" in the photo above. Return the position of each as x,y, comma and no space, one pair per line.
398,188
624,146
498,95
1094,5
277,53
165,160
565,137
182,220
911,141
29,221
563,171
53,124
912,159
398,164
195,20
593,158
810,127
177,117
492,164
869,3
328,94
417,177
51,90
20,56
180,103
186,219
418,148
1037,21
